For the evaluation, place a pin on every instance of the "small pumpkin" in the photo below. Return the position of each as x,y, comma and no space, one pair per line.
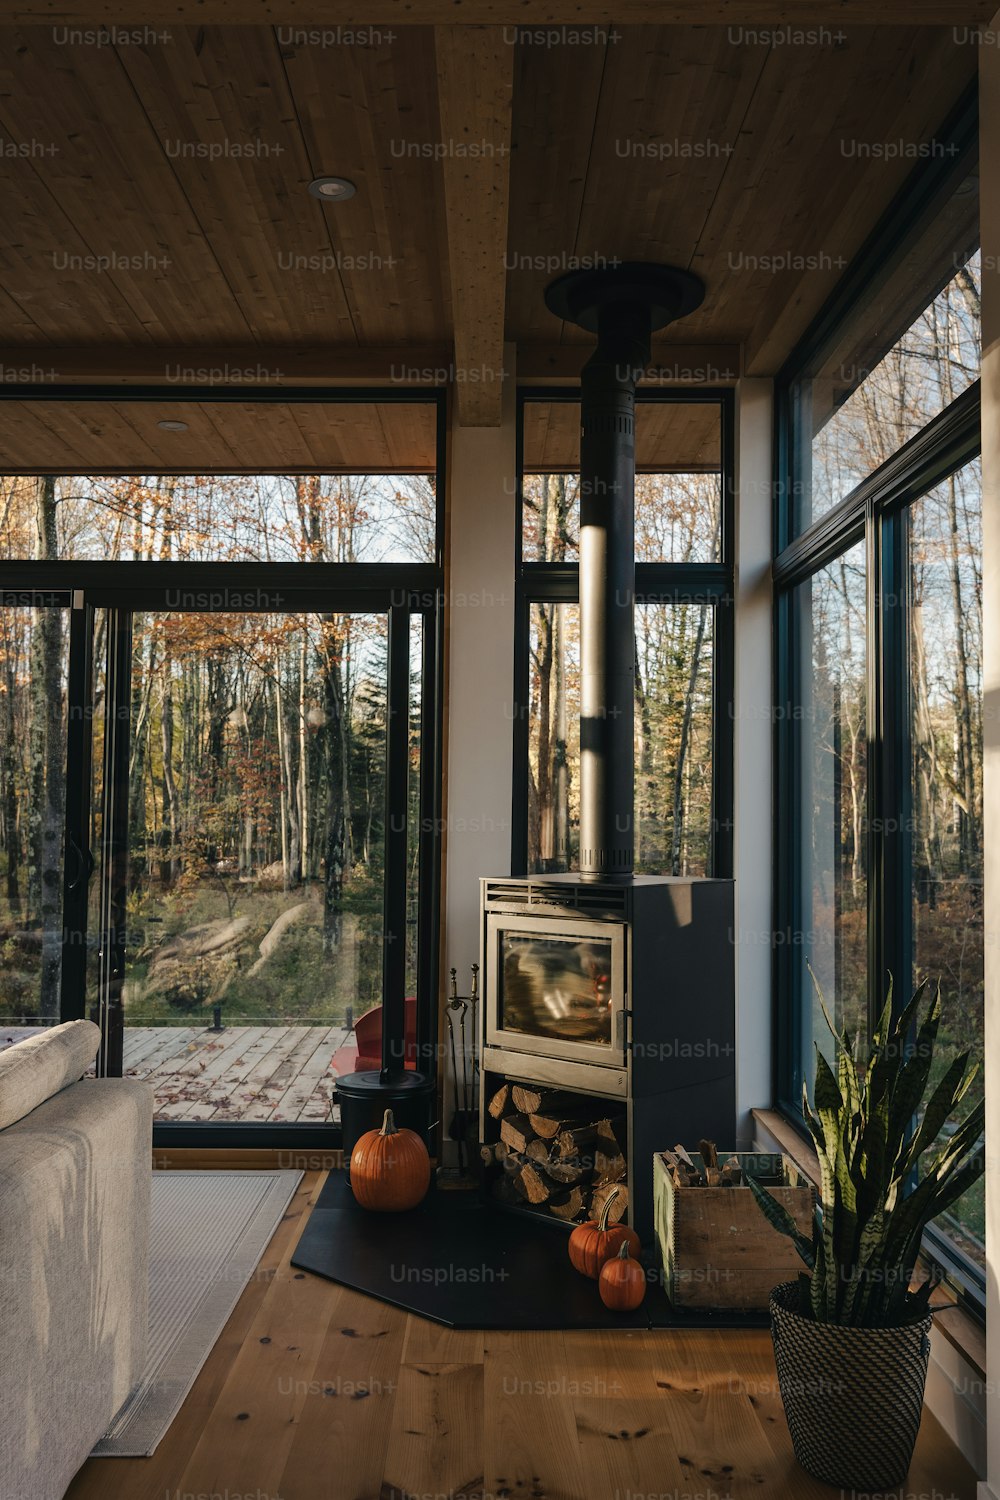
622,1282
591,1244
390,1168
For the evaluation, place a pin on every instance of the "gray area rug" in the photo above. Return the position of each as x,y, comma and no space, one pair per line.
209,1230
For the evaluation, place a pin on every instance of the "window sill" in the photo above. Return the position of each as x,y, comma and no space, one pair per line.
956,1325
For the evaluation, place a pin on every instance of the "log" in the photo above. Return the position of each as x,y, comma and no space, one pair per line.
569,1205
498,1103
619,1206
609,1168
612,1135
573,1142
500,1151
566,1170
570,1169
530,1099
517,1132
709,1155
505,1192
531,1183
550,1126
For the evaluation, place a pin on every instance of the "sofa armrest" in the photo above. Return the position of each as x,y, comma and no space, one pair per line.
75,1179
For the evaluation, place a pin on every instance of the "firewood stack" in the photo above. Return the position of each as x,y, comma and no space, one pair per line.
558,1153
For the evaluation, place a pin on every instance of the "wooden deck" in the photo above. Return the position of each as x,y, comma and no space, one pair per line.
279,1074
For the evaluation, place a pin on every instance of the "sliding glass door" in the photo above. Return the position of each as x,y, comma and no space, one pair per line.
194,818
253,833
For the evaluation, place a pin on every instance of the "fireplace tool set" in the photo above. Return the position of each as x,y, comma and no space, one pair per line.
461,1012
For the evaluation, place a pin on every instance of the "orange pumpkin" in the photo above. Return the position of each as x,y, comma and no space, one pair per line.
591,1244
622,1282
390,1168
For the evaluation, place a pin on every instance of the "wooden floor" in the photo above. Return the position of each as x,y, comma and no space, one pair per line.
242,1073
315,1392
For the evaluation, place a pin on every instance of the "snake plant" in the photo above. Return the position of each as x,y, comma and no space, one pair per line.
884,1175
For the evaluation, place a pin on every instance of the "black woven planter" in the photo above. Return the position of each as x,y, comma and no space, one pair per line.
852,1396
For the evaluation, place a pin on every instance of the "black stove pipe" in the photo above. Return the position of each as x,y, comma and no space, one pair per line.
607,591
622,304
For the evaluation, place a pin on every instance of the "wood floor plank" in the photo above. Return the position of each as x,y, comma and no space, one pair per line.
342,1431
631,1446
436,1438
428,1343
531,1444
248,1434
608,1363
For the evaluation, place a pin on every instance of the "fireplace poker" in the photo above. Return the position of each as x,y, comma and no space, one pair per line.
466,1107
474,1001
456,1131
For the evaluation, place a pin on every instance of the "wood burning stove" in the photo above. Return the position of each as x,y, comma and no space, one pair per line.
608,999
621,996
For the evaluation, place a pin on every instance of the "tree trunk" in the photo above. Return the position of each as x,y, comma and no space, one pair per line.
47,757
682,748
966,767
303,794
12,829
337,807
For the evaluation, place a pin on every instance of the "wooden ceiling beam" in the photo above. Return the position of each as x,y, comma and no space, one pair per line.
332,14
670,364
267,365
475,73
274,366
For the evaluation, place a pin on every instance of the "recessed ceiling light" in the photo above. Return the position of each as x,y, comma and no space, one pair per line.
173,426
332,189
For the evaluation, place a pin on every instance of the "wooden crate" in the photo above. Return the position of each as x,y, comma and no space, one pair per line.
717,1248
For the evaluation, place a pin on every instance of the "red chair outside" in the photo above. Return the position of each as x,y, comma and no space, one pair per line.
368,1035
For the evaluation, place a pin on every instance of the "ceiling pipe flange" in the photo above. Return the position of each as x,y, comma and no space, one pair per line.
668,292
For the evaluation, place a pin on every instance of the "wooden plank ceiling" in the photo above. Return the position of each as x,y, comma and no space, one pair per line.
681,436
110,437
156,205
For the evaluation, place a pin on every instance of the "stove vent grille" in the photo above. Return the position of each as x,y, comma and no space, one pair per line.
539,895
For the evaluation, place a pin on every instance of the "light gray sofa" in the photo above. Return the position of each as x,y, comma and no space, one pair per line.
75,1177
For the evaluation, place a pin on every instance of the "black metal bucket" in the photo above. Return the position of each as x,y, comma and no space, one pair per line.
364,1099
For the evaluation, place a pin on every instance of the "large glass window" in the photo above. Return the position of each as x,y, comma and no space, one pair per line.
334,518
33,660
879,618
895,348
678,487
683,727
862,414
831,816
946,733
674,750
197,778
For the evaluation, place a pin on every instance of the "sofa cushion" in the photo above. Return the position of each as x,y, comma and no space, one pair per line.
32,1071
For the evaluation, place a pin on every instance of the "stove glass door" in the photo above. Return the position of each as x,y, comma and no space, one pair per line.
557,990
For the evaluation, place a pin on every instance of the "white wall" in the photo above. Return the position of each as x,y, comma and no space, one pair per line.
753,737
480,676
479,750
989,187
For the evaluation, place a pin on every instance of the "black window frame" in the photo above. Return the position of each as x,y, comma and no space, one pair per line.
876,512
655,583
401,591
